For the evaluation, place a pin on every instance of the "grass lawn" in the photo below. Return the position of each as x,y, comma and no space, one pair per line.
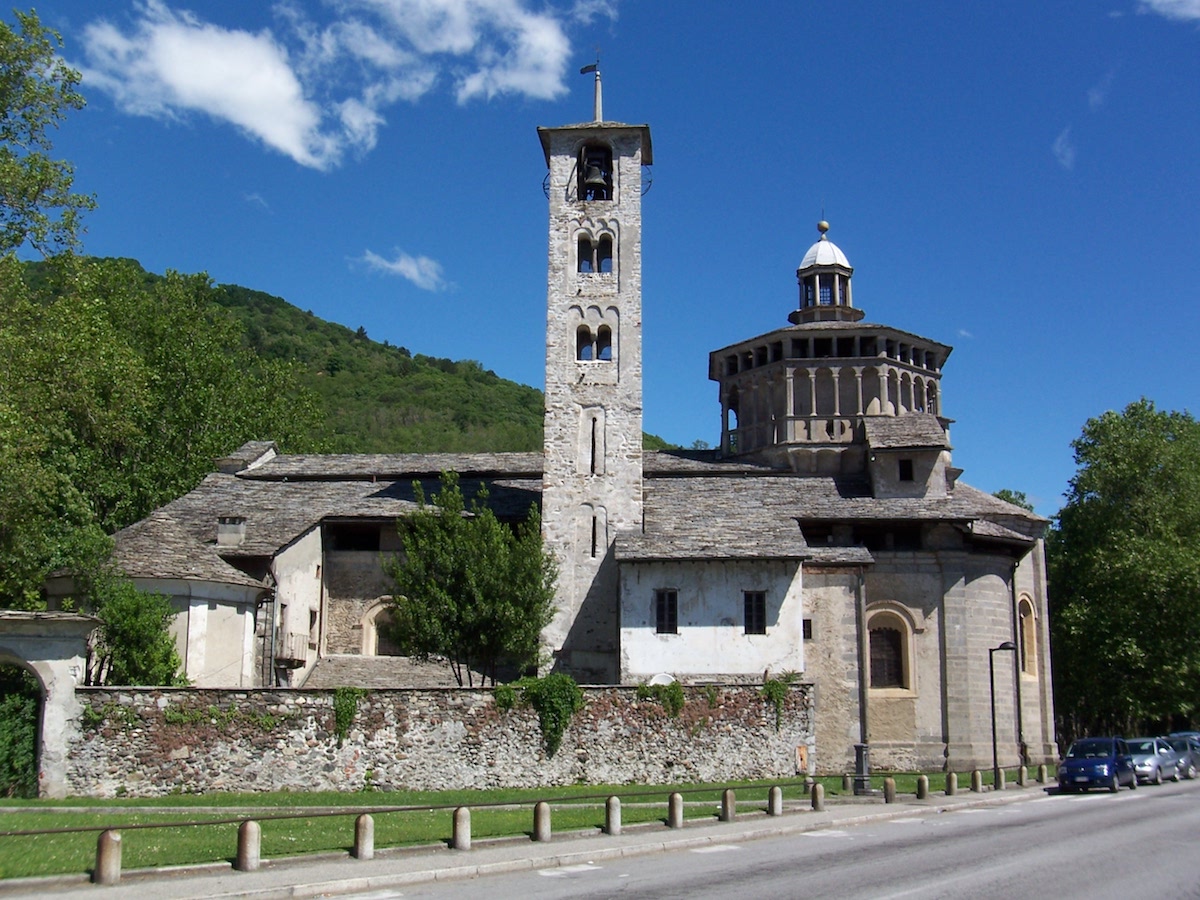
299,823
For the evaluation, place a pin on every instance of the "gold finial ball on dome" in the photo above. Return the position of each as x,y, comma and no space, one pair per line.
822,226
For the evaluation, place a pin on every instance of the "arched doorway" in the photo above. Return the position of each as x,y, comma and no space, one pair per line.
52,646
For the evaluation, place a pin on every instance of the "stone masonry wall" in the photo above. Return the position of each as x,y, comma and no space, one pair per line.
152,741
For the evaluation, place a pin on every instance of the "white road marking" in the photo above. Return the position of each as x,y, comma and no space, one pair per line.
564,871
716,848
825,832
911,820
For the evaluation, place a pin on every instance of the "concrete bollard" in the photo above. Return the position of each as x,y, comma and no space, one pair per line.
977,782
1023,776
775,801
675,811
951,784
818,797
1042,774
998,780
612,816
108,858
922,787
728,805
847,782
541,821
889,790
462,829
364,837
249,849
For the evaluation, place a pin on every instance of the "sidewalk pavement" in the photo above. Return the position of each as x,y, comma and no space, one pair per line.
334,874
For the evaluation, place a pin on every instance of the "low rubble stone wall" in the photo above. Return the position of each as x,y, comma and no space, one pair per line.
144,742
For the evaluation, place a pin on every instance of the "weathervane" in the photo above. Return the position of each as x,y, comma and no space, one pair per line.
597,102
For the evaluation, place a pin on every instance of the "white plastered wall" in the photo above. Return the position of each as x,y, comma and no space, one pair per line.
711,640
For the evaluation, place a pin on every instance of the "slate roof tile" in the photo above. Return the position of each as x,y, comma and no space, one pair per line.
696,506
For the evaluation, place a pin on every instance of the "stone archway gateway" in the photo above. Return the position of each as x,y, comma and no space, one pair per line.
52,645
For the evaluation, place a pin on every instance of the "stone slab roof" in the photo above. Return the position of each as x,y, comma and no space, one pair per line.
915,431
843,327
697,506
391,466
162,546
179,539
758,516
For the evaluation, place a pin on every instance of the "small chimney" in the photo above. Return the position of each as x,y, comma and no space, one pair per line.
231,531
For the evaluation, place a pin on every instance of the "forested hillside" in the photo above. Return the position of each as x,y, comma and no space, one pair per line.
380,398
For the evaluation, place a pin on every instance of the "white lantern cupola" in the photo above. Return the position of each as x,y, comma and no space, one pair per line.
824,277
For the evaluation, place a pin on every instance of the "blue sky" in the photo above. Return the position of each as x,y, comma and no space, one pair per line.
1020,180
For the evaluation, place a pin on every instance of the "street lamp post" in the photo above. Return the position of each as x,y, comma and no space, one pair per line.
1007,645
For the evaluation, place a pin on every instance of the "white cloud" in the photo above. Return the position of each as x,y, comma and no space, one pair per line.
1181,10
963,333
586,11
1064,149
257,199
495,46
359,122
173,63
317,90
422,271
1098,94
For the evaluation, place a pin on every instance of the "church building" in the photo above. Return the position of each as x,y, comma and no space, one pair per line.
828,537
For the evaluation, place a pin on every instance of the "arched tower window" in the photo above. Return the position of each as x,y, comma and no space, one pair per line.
584,349
604,255
604,343
887,658
594,256
889,635
595,173
1028,635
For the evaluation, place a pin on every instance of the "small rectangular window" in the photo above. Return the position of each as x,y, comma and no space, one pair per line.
755,603
906,470
887,658
352,536
808,632
666,611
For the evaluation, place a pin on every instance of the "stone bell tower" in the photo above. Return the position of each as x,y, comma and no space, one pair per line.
592,482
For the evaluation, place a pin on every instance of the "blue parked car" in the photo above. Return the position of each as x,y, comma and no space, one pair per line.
1097,762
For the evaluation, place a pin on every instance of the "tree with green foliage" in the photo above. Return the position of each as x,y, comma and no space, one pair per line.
20,694
1124,575
37,90
1016,498
116,395
469,587
133,644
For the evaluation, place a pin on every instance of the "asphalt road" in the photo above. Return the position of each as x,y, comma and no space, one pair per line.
1131,845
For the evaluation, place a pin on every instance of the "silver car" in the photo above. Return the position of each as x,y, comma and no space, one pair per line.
1154,760
1188,749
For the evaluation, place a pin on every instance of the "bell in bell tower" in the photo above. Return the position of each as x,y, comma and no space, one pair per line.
592,481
